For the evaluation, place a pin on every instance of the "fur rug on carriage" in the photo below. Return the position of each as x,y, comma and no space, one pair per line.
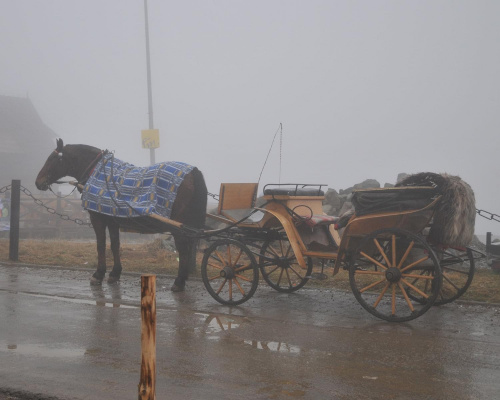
454,217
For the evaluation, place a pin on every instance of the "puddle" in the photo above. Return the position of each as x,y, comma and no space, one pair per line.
222,327
99,303
278,347
41,350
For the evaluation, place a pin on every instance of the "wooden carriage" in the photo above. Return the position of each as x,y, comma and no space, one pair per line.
394,272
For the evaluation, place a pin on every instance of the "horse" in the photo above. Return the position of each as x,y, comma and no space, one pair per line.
189,207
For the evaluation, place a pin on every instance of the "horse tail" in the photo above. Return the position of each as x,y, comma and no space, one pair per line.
199,202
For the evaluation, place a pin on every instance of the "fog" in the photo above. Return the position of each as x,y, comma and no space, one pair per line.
364,89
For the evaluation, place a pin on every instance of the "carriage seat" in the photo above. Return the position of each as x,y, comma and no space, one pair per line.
293,192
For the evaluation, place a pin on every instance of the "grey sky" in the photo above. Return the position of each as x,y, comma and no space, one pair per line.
364,89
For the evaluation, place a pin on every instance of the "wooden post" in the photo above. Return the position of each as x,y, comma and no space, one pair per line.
488,241
15,212
147,390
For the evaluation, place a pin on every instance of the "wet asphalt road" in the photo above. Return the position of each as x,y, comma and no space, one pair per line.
64,339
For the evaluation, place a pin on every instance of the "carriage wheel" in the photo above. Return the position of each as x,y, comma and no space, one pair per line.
229,272
458,271
279,266
387,264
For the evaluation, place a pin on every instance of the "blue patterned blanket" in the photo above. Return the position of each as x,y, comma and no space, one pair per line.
121,189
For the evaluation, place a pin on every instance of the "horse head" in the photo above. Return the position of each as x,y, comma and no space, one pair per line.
54,168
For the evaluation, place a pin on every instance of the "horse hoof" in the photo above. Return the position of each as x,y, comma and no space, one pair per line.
95,281
175,288
113,279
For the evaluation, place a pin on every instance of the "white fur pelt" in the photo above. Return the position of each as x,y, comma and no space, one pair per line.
455,215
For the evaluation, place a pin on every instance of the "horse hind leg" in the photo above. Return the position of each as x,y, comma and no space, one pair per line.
99,226
114,237
187,260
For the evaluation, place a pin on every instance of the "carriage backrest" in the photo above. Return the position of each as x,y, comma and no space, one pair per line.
236,196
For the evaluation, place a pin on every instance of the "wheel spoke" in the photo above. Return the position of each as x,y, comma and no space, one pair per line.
239,286
288,277
415,288
279,279
270,272
214,277
373,260
456,270
415,263
221,286
221,259
218,259
230,289
405,256
271,250
393,300
361,272
372,285
381,295
221,326
382,252
229,255
244,278
282,251
418,276
445,277
394,261
216,266
237,258
406,297
295,272
243,267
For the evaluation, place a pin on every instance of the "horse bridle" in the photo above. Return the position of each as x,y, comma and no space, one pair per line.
86,174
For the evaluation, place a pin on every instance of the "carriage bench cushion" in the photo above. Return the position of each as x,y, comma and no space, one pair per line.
293,192
317,220
121,189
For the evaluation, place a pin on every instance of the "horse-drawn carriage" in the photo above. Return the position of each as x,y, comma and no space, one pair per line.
401,251
394,271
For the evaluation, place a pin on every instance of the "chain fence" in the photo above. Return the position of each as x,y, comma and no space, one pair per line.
482,213
488,215
50,210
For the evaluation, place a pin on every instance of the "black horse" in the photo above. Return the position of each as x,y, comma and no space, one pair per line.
79,160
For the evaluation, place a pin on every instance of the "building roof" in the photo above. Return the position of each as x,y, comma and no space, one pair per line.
25,141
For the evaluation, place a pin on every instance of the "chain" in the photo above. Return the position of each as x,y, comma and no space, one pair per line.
51,210
4,189
488,215
214,196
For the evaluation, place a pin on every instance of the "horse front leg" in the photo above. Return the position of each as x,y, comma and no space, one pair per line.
114,238
186,248
99,225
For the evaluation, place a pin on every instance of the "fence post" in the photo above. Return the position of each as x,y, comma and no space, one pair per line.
15,204
147,383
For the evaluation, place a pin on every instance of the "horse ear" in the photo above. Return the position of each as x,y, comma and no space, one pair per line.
60,145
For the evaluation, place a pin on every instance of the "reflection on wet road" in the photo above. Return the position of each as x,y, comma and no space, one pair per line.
61,337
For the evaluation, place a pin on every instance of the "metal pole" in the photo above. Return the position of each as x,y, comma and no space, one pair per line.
15,207
150,94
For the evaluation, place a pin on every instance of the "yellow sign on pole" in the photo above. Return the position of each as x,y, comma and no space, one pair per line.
150,138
